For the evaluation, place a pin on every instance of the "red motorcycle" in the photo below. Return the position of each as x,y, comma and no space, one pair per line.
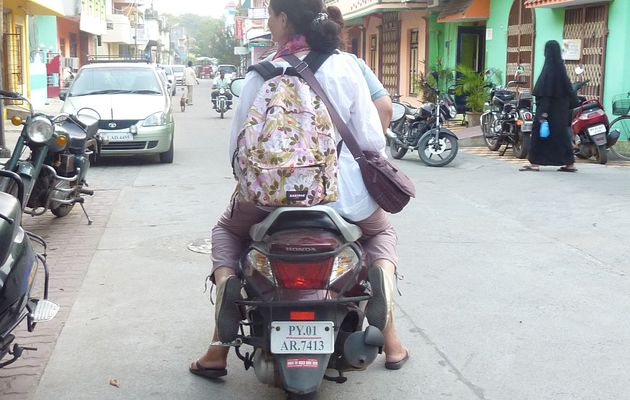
591,130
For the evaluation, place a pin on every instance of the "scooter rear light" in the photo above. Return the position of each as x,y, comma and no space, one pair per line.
346,261
592,114
311,274
258,261
302,315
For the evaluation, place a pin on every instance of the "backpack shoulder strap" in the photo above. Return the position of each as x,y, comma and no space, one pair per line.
266,69
315,59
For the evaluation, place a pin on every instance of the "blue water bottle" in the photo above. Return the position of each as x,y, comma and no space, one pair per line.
544,129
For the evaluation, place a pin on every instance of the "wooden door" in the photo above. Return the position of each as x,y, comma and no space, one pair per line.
390,61
520,42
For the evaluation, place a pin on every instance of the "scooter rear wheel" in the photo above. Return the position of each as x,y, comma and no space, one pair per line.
309,396
602,154
396,150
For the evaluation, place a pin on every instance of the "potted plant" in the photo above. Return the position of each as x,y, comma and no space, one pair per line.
475,87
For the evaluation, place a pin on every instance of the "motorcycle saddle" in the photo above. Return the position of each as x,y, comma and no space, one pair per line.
10,208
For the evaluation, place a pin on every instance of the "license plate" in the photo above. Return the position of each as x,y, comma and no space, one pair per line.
527,126
302,337
119,137
597,129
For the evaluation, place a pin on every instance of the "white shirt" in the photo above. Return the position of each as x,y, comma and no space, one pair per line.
190,77
342,80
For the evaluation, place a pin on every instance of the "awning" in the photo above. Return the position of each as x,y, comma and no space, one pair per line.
465,11
560,3
37,7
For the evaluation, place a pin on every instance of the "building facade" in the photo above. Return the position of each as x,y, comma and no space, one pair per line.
593,33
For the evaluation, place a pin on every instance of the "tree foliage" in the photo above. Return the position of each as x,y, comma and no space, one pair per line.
210,38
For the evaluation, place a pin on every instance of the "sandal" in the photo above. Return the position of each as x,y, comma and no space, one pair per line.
397,364
209,373
529,168
565,169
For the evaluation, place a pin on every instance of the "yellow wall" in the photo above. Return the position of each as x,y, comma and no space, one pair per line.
373,26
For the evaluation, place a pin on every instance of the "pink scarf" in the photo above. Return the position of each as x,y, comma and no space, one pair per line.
295,45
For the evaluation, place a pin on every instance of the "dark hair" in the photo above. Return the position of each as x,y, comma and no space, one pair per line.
321,35
190,63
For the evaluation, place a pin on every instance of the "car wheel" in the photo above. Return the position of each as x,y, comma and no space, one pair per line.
167,156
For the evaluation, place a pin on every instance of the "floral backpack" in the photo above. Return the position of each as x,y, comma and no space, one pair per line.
286,150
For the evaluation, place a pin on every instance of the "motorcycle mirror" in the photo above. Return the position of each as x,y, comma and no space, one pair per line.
519,71
579,70
435,75
236,86
488,73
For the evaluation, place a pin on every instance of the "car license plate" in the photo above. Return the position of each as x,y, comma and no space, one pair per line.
596,130
302,337
119,136
527,126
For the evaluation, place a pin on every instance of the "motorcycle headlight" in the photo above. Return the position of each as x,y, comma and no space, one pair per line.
157,119
39,129
222,91
345,262
258,261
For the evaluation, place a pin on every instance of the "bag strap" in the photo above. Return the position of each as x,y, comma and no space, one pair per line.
268,70
302,68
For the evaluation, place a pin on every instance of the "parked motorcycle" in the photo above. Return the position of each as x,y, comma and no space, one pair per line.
221,102
421,129
54,174
508,119
591,131
306,289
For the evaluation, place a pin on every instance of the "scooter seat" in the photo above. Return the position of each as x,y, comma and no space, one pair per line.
584,107
10,208
303,220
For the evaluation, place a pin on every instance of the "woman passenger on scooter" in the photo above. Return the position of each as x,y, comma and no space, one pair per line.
298,26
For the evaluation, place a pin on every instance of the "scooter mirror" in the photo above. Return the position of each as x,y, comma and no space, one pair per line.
579,70
236,87
435,75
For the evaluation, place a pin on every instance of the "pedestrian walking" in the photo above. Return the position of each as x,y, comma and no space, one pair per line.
190,79
554,98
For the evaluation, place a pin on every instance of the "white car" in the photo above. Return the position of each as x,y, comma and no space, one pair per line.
133,106
178,71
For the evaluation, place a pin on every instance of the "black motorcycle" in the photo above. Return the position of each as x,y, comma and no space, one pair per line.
508,119
421,129
19,263
54,174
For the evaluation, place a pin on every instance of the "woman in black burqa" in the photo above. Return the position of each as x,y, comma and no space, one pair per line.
554,96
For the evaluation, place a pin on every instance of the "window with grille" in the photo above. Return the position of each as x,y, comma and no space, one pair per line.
62,46
73,45
373,46
13,66
390,56
413,61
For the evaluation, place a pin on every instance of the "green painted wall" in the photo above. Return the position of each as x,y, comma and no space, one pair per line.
617,78
549,26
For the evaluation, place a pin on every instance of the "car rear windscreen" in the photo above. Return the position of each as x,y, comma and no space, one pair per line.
92,81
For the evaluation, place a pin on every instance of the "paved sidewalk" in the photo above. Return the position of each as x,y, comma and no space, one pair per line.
71,246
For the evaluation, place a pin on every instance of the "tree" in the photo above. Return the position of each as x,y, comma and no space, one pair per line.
211,39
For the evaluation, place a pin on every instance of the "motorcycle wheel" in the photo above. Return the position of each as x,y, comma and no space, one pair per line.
492,142
437,154
62,210
602,154
396,150
521,147
222,113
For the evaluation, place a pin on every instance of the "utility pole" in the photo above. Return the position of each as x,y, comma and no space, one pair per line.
4,151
